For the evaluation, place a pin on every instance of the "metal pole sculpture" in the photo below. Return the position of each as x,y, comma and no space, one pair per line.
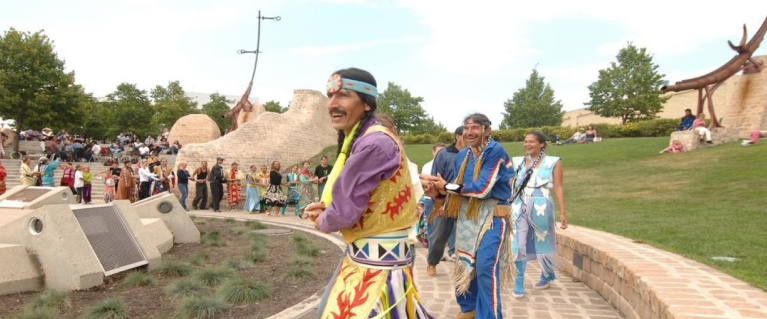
707,84
244,104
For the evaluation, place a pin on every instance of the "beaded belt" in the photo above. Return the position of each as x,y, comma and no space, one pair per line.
383,251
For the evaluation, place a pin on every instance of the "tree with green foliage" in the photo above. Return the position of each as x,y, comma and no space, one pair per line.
532,106
94,119
406,111
628,89
34,89
170,104
216,108
129,110
274,106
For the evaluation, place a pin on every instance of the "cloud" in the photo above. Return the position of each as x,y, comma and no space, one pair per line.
340,48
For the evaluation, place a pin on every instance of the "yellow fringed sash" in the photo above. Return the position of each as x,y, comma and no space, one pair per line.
327,193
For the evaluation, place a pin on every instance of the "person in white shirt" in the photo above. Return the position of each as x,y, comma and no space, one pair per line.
143,150
145,177
79,183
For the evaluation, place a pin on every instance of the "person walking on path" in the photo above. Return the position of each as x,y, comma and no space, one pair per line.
537,174
183,183
79,183
200,177
217,179
263,178
233,182
291,180
127,183
252,202
478,198
306,191
274,197
368,198
27,176
145,177
321,173
87,184
443,227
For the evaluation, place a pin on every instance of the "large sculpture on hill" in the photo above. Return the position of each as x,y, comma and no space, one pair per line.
708,83
291,137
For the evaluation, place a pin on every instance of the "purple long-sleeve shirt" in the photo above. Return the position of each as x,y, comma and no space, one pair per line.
375,157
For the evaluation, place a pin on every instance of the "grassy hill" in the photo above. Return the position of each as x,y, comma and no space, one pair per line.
701,204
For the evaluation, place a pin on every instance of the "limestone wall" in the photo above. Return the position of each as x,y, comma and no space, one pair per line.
747,104
294,136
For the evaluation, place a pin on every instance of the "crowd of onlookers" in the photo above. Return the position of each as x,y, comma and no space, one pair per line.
582,136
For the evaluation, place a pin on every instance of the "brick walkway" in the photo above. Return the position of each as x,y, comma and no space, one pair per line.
565,299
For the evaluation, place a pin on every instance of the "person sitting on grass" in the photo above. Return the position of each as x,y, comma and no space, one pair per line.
675,147
578,137
591,134
755,135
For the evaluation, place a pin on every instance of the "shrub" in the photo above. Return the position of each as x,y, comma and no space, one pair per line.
301,261
243,291
186,288
200,222
139,279
238,230
299,273
255,225
260,239
38,313
656,127
112,308
214,235
629,130
172,268
308,249
237,264
212,276
220,242
230,220
299,238
51,298
256,254
199,258
201,308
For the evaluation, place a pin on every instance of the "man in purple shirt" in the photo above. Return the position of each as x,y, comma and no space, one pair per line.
374,221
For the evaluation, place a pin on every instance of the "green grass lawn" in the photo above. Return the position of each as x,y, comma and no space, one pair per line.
710,202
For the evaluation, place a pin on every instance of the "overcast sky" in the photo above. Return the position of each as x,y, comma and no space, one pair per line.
460,56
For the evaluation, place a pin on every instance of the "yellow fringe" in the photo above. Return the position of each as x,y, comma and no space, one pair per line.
454,200
438,202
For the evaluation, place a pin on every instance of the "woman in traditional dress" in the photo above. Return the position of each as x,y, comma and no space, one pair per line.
274,197
293,190
3,174
536,175
306,189
127,182
47,171
252,203
68,178
233,178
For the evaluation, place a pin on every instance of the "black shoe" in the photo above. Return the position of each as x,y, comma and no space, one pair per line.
216,211
194,207
709,142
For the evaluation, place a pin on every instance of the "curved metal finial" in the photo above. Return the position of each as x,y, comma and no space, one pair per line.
742,47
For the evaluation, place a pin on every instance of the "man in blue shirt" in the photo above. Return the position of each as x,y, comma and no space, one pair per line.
443,227
478,198
686,122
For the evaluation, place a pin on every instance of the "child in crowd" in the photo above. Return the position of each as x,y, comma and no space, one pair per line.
87,184
109,186
79,183
755,135
675,147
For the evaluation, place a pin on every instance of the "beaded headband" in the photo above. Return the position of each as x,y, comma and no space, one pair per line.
336,83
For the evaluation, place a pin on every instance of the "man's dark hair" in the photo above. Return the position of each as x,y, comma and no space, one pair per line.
324,157
688,110
479,119
362,76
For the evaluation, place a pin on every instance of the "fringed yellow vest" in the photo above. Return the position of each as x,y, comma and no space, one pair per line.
391,206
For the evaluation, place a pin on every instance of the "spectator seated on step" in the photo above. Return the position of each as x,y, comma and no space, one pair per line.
686,122
699,126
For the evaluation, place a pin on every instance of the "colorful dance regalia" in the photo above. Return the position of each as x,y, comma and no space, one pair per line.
375,278
533,215
483,229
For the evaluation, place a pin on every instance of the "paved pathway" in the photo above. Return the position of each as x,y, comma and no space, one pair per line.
565,299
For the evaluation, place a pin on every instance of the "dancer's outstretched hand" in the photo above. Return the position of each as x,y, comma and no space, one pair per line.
314,210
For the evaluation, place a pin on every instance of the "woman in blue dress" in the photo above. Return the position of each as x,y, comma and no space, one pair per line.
535,176
252,203
293,190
